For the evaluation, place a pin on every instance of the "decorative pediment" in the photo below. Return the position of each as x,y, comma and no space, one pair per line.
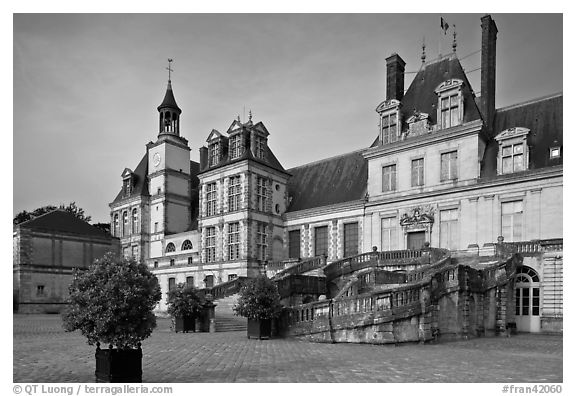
127,173
261,128
388,105
235,126
214,135
418,116
418,216
453,83
516,132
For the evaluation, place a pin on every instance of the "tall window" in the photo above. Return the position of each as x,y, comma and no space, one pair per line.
261,194
350,239
171,283
321,241
513,158
126,187
116,226
389,178
449,165
261,241
186,245
449,229
389,128
211,199
155,226
389,233
233,241
294,244
210,245
234,193
190,281
170,248
449,111
527,292
214,154
260,146
418,172
124,224
134,221
235,146
135,252
512,220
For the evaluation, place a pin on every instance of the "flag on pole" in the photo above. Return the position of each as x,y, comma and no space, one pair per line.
444,25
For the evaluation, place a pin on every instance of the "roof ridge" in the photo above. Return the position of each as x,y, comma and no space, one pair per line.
530,101
42,215
328,159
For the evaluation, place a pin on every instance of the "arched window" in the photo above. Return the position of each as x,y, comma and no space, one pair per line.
135,221
527,299
186,245
116,225
124,223
170,248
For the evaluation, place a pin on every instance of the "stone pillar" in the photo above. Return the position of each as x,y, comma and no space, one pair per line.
501,305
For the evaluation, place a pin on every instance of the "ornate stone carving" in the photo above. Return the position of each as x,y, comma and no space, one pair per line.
418,217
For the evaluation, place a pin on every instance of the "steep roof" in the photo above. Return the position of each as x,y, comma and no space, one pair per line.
140,187
169,100
543,116
328,182
421,95
62,221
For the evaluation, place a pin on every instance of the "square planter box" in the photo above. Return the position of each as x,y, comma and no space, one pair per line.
118,365
259,328
184,324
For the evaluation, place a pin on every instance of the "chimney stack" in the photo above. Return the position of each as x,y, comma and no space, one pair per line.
203,157
395,77
488,71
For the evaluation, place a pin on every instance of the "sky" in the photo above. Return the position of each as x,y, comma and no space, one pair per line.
86,86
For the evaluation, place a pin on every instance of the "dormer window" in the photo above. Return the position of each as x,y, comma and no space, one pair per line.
389,111
126,187
214,154
513,150
259,146
235,146
554,152
450,103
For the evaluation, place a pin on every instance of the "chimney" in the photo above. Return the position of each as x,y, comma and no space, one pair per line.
203,157
488,71
395,77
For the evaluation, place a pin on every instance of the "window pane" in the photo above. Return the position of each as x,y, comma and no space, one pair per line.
518,148
518,163
536,301
445,103
454,117
321,240
445,119
525,301
507,165
517,301
350,239
507,150
294,244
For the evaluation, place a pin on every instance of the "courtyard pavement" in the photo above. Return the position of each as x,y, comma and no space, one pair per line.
43,352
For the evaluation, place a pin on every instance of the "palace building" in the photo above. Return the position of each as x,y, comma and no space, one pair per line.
447,169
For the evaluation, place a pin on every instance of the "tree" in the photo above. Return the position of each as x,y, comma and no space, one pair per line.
113,301
184,300
259,299
71,207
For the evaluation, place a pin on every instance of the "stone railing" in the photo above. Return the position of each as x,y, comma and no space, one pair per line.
303,266
225,289
534,246
300,284
274,267
382,259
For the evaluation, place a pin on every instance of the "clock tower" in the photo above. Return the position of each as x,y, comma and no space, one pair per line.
168,176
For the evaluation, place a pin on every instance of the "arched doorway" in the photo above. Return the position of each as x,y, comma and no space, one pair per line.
528,300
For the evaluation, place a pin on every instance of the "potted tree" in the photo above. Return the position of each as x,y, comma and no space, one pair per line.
185,304
112,303
259,301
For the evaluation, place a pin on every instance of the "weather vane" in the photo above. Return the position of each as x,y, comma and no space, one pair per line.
169,68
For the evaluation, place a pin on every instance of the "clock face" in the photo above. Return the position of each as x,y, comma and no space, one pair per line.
156,159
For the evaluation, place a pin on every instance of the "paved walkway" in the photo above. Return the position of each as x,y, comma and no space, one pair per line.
43,352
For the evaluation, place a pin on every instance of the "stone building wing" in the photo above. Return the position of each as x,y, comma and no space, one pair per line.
62,221
140,184
543,117
328,182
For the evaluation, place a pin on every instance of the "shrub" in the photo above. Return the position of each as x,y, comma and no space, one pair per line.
184,301
112,302
259,300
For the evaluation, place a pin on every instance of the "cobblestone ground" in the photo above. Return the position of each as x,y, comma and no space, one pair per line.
43,352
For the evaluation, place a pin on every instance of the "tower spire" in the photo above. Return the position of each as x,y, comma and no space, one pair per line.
454,44
169,69
423,56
